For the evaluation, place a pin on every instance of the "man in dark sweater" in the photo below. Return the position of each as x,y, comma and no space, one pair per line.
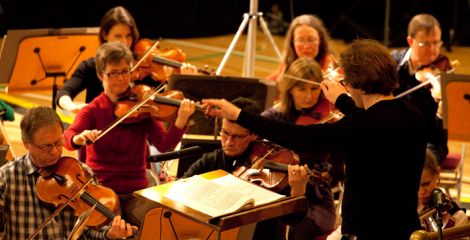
424,41
236,143
383,139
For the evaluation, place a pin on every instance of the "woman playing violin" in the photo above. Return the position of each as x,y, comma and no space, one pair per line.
119,158
453,215
424,41
41,132
305,38
117,25
303,103
301,99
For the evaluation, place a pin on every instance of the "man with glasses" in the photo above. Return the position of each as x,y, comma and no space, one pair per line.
41,132
236,144
424,41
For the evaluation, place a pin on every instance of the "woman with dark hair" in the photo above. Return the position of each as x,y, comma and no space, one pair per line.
117,25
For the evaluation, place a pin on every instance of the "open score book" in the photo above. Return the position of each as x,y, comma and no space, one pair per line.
219,196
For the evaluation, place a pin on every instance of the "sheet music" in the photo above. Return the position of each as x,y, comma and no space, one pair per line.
216,198
259,194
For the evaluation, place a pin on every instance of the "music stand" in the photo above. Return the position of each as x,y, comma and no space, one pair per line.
456,105
28,58
244,219
198,87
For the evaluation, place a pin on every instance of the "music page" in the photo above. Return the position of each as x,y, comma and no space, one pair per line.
216,198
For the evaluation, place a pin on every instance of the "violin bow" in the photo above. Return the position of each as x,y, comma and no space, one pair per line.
428,81
132,110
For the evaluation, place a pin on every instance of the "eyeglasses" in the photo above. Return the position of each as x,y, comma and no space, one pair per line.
429,44
235,137
307,41
115,74
49,147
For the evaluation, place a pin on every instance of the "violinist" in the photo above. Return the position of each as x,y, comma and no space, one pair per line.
377,130
453,215
41,132
117,25
119,158
237,144
306,38
302,100
424,42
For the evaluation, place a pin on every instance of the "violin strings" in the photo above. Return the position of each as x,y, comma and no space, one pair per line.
90,200
101,208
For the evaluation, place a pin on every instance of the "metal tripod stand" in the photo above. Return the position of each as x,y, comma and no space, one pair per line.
252,17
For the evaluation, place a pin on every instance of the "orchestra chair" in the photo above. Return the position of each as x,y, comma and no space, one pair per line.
456,117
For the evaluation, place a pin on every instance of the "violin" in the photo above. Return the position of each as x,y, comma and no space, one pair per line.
145,50
176,64
142,102
162,106
263,154
62,181
324,112
431,75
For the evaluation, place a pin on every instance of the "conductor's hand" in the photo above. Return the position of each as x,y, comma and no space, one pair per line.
221,108
120,229
85,136
332,90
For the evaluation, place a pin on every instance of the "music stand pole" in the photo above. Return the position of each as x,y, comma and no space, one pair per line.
248,63
54,76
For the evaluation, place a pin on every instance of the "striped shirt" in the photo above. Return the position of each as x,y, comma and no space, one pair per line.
24,212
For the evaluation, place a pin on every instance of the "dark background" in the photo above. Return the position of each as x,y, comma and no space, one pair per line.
345,19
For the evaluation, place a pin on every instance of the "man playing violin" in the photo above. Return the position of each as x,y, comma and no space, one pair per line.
237,143
119,158
377,130
424,41
41,132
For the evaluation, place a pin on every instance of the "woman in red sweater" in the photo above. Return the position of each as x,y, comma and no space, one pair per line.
119,158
